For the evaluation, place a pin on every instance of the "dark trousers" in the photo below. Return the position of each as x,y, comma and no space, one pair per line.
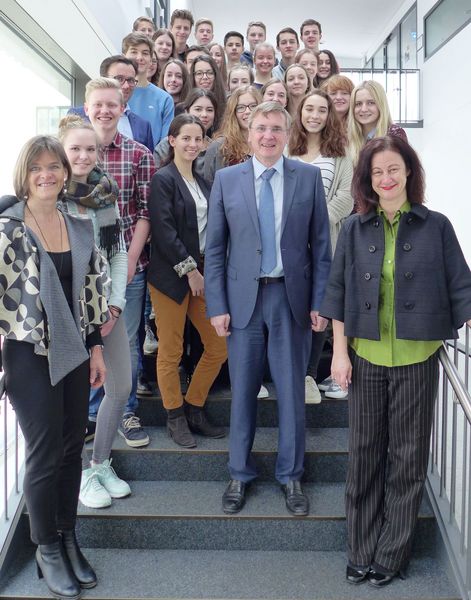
271,332
53,421
390,420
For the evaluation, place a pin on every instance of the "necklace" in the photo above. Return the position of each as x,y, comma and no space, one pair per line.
194,186
59,270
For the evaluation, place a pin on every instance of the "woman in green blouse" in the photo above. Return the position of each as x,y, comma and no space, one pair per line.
399,285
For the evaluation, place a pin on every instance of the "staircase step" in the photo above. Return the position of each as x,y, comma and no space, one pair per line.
325,459
188,515
330,413
269,575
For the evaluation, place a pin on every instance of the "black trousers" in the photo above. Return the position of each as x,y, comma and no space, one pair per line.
390,420
53,420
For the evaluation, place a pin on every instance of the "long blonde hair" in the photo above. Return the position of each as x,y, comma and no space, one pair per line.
356,136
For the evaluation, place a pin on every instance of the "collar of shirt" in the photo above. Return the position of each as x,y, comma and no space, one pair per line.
117,140
127,110
371,134
403,209
259,168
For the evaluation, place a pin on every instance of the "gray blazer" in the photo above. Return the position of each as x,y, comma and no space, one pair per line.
432,279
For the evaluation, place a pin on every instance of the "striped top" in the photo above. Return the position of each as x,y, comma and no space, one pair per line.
327,166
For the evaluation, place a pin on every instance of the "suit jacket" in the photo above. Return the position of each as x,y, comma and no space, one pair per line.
141,129
233,244
174,227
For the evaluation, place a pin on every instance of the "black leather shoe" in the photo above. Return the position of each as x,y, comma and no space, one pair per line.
54,566
83,572
297,502
377,579
356,575
177,427
198,422
233,499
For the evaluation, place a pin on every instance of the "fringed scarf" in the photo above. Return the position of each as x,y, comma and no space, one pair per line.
101,194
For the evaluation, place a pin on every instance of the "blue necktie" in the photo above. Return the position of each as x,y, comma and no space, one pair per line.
266,218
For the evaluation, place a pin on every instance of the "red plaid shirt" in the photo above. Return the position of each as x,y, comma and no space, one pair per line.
132,165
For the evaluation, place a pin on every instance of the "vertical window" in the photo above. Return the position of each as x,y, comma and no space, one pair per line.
409,40
35,95
444,21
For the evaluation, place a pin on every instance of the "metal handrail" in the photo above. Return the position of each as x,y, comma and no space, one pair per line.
449,474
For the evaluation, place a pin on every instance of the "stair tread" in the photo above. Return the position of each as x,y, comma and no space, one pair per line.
262,575
202,499
320,440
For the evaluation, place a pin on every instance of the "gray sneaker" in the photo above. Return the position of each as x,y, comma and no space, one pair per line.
132,431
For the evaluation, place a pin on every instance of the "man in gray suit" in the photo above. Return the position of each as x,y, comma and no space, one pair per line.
266,266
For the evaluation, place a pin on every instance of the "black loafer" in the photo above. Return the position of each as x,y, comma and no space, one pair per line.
233,499
377,579
356,575
297,502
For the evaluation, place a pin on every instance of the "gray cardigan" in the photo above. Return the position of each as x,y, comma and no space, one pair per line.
432,279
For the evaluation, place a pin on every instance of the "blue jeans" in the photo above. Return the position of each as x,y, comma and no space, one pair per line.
135,297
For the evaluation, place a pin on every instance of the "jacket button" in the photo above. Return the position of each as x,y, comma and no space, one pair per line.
409,305
407,247
367,305
259,251
376,223
409,220
367,276
408,275
372,249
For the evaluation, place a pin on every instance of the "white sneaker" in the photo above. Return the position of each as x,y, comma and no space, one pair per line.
92,493
116,487
335,391
263,393
150,342
324,385
313,396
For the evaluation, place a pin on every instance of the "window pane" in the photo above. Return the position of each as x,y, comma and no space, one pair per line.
39,93
393,51
444,21
409,41
378,59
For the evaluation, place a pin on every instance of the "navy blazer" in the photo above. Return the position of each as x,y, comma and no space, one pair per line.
141,129
432,282
174,227
233,245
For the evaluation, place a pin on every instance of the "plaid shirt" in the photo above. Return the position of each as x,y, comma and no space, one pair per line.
132,165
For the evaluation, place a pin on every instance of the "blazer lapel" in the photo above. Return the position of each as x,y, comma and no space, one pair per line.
247,185
289,185
189,203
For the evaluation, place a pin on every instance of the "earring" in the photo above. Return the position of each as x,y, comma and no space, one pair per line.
64,189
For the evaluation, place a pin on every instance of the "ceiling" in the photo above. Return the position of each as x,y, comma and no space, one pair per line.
349,27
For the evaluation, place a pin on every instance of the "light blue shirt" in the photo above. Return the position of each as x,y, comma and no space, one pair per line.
276,183
124,127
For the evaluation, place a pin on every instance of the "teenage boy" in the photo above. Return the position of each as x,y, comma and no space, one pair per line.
287,43
256,34
148,101
144,25
132,166
192,53
204,32
311,33
233,47
181,23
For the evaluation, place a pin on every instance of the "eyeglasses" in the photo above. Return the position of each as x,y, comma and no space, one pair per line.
265,129
201,74
129,80
241,108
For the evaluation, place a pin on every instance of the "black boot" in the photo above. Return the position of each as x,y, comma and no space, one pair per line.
54,566
177,428
84,573
198,422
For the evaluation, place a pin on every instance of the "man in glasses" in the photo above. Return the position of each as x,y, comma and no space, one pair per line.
267,260
124,71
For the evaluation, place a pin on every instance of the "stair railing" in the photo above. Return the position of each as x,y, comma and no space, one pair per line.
449,474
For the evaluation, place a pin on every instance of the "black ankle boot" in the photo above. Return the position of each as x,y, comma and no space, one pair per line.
177,427
54,566
84,573
198,422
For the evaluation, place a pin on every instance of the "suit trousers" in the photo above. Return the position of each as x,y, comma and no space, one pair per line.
53,420
170,321
272,332
390,421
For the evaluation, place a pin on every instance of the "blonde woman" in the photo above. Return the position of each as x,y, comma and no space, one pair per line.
369,117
